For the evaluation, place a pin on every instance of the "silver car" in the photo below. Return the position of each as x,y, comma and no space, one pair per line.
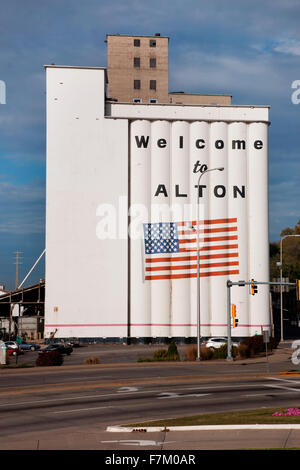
11,344
216,343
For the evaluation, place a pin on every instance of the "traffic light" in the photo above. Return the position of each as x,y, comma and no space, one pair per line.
298,289
233,314
253,287
233,310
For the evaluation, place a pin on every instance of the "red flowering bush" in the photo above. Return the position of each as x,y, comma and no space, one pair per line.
288,412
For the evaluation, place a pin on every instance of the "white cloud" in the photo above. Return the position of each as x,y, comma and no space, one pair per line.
255,76
288,46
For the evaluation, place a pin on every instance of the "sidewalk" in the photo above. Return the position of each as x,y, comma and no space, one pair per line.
92,438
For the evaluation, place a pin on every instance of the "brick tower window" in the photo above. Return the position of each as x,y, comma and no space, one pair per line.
152,62
152,84
136,61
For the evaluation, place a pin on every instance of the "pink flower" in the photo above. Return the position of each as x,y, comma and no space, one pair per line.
288,412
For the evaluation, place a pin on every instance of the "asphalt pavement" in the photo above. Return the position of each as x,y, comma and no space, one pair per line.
73,406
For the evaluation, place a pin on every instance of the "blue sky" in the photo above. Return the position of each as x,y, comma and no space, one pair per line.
247,48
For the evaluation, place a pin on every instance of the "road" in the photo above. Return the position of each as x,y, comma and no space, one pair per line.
71,406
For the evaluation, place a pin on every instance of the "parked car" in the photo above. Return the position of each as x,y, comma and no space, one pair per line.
13,351
63,348
216,343
74,342
29,346
11,344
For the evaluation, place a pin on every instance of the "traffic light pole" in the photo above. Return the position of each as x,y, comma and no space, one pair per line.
243,284
229,356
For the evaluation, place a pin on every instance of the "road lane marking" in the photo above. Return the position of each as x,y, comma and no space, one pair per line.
282,387
137,442
255,395
71,398
81,409
127,389
265,394
216,387
174,380
284,380
178,395
114,394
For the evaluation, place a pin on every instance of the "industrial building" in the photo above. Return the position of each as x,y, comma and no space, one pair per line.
122,221
22,311
138,72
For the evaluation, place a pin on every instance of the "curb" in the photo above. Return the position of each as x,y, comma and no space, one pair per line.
231,427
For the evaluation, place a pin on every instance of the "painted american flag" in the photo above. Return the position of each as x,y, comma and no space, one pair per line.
170,249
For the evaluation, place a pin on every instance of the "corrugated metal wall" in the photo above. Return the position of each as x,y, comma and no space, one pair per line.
164,159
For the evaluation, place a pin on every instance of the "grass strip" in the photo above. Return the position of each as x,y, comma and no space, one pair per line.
261,416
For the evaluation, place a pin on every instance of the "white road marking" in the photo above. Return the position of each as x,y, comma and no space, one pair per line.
167,394
127,389
137,442
218,387
70,398
255,395
280,387
284,388
177,395
81,409
284,380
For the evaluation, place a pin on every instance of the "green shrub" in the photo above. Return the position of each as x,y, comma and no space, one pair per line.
173,354
160,355
50,358
221,352
170,354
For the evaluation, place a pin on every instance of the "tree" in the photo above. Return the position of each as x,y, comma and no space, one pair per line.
290,255
287,231
297,228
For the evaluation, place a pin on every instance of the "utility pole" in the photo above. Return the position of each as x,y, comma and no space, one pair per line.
17,263
254,291
281,283
198,265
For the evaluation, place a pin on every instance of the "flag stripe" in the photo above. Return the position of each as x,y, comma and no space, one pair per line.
191,266
192,258
212,247
209,222
171,249
207,230
188,275
208,239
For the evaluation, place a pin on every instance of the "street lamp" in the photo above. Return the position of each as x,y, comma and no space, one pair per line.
198,263
280,264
